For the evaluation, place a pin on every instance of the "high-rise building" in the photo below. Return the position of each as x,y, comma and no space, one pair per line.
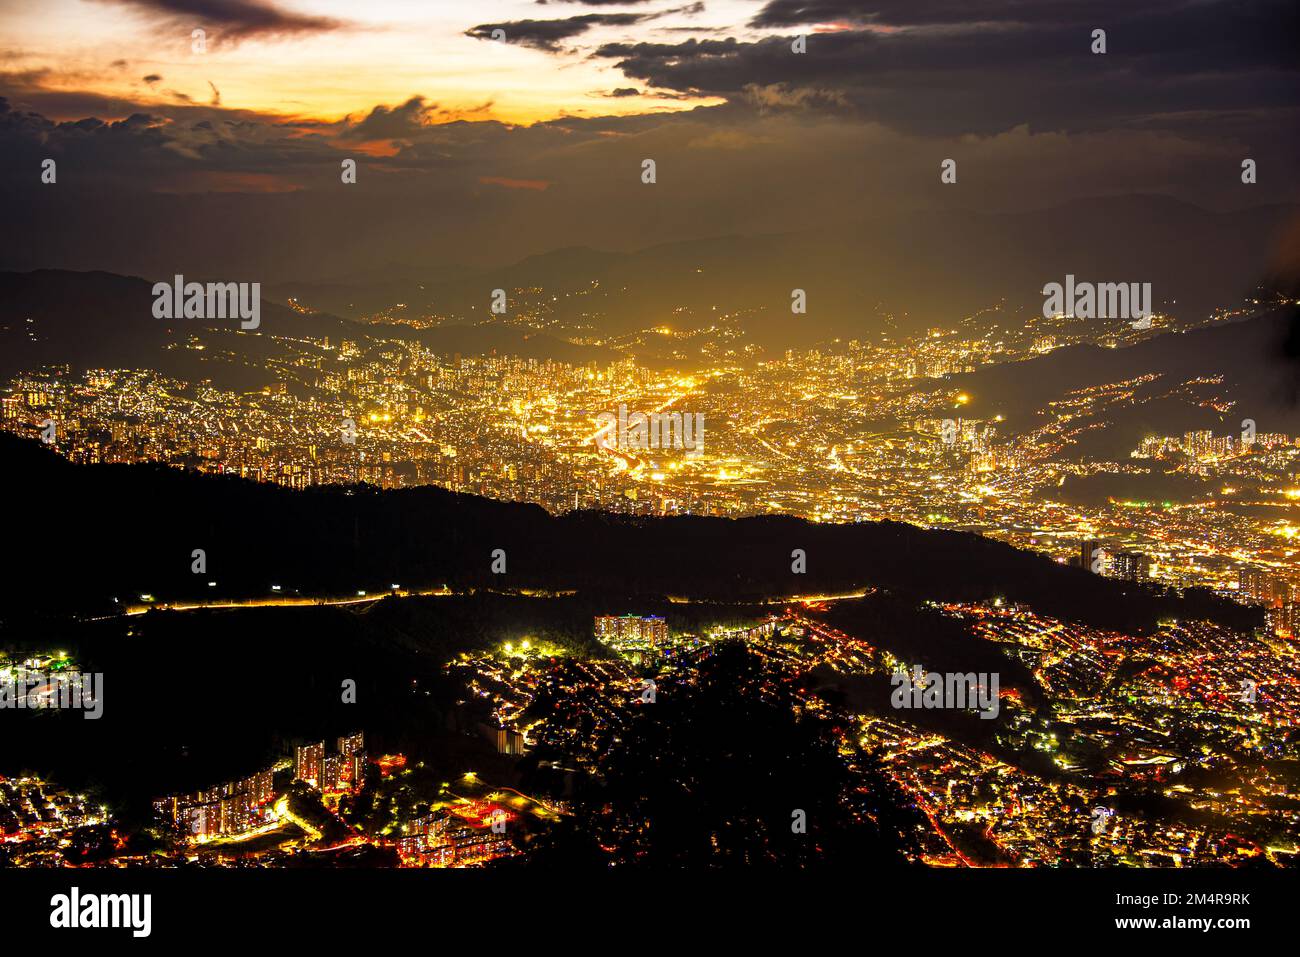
509,741
1248,582
650,630
1262,585
200,820
340,770
1198,443
331,772
1089,561
639,639
232,807
307,762
357,770
1285,618
1130,566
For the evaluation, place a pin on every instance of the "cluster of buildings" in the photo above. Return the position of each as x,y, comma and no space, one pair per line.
389,413
852,432
1284,619
37,818
512,691
1279,595
468,834
336,772
1188,716
1266,586
1201,444
1095,555
641,639
239,807
225,810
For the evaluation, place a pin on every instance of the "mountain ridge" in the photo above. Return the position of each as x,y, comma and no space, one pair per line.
338,540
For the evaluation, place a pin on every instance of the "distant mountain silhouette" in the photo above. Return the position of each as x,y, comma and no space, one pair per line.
101,320
89,534
1247,354
925,268
90,320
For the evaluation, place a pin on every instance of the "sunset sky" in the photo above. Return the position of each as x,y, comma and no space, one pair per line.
489,151
326,59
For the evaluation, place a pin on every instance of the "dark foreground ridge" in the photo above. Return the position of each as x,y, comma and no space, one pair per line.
87,534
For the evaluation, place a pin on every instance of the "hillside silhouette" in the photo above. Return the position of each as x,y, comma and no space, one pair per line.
89,534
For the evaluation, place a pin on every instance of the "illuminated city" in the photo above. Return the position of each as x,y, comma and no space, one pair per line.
466,460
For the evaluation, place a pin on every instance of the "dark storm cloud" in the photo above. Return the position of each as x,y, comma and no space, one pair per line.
793,13
547,34
395,122
994,69
158,148
77,103
240,193
27,134
856,126
236,19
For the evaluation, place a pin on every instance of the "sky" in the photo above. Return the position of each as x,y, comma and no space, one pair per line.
328,59
486,150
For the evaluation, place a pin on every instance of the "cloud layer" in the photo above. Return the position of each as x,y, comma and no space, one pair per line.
855,126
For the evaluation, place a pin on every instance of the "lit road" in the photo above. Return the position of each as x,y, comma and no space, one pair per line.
283,602
282,809
442,591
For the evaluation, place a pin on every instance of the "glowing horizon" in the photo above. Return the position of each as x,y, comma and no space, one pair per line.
132,55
